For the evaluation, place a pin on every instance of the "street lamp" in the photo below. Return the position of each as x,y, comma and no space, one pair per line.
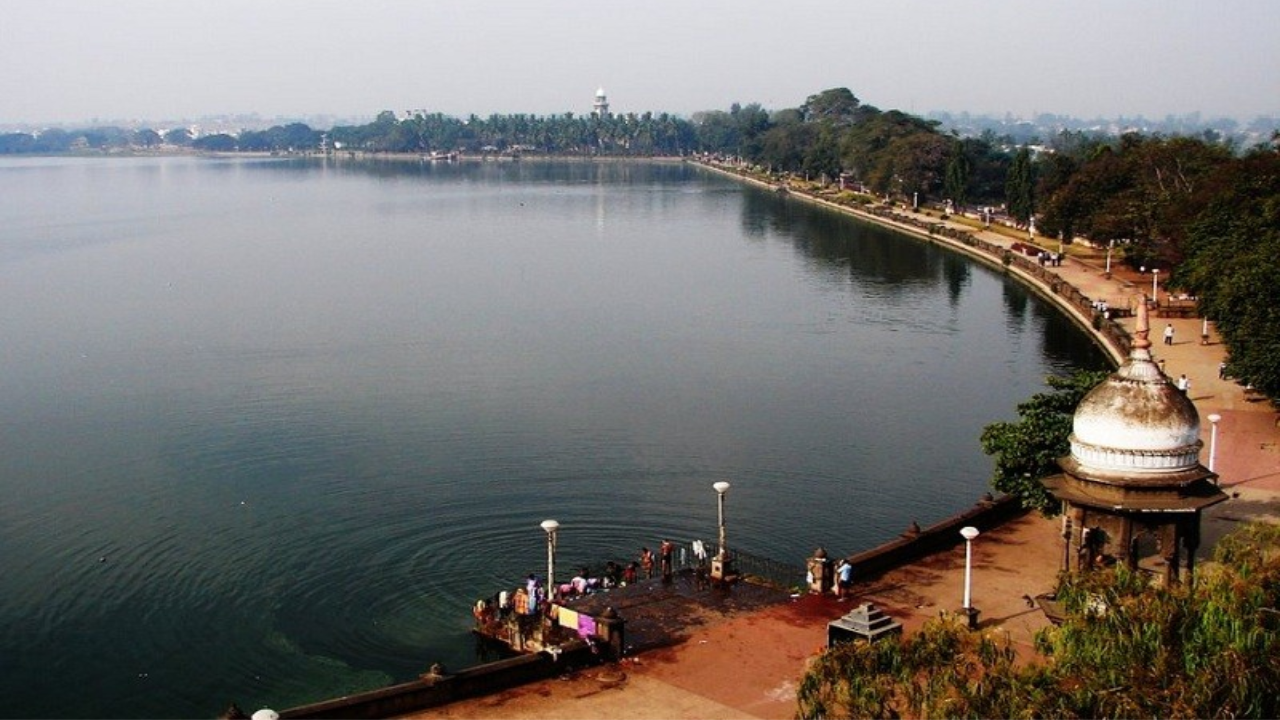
1110,245
1213,439
1155,283
551,526
969,533
720,564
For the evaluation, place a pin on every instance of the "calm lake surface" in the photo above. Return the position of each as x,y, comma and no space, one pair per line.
271,426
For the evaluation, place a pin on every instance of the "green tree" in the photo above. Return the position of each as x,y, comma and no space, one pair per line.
1019,187
178,136
1143,192
220,142
1231,266
837,106
16,143
955,185
1028,449
146,137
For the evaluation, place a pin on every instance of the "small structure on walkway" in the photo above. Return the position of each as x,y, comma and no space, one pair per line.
1133,488
865,622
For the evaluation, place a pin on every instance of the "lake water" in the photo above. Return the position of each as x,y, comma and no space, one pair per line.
271,426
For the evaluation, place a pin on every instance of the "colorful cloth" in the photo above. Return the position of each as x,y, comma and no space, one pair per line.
568,618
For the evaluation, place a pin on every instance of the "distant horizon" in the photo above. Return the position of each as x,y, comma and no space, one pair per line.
339,118
69,61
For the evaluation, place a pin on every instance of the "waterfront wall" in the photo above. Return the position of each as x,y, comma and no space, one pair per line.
1110,335
916,543
440,689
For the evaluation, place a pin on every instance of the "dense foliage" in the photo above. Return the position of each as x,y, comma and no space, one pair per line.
1231,264
1028,449
1139,193
1126,649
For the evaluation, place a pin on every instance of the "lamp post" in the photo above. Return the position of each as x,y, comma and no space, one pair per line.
1213,439
552,527
1155,284
969,533
1110,245
720,564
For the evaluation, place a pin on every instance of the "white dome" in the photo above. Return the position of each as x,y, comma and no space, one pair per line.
1136,421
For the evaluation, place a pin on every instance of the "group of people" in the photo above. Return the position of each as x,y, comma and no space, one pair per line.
621,575
530,598
666,559
1051,259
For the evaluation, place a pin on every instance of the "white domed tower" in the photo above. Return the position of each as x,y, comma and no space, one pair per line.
600,108
1132,488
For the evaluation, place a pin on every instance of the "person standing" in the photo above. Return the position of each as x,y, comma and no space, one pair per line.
1168,334
1184,385
646,562
667,549
844,578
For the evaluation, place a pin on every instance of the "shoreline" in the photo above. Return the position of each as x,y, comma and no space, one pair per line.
1033,283
1248,431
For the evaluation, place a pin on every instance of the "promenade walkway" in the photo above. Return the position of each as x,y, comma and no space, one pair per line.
749,665
1247,453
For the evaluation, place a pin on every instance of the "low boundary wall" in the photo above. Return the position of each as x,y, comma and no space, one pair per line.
1108,334
434,690
917,543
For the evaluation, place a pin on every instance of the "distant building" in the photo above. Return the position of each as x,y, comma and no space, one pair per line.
600,108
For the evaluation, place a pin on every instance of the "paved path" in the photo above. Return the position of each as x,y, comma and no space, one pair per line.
1247,453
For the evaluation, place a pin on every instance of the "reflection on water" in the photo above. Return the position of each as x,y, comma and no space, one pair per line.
272,426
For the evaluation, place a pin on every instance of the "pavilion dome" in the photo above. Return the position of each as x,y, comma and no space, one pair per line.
1136,421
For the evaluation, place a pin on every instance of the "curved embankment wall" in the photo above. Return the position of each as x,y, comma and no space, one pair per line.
1108,334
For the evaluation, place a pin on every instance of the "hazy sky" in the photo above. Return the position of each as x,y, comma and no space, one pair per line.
73,60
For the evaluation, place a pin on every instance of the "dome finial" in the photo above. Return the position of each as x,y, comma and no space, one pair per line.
1142,328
